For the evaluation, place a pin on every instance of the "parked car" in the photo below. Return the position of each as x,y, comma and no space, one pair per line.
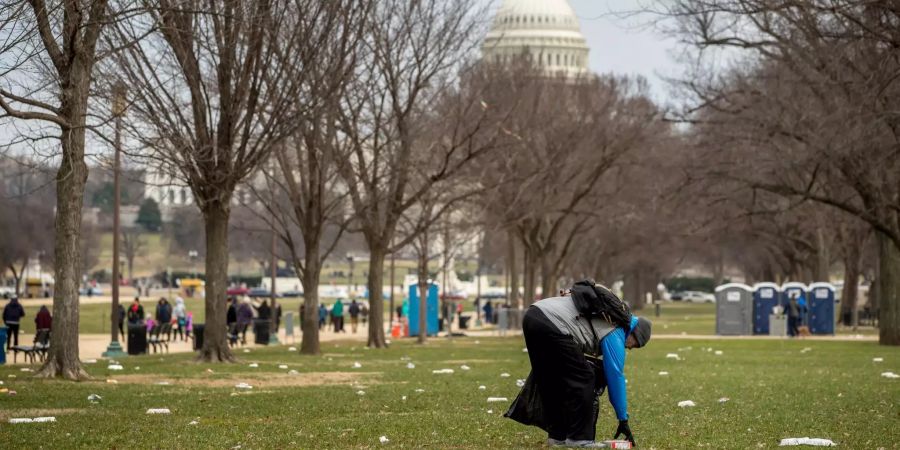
7,291
698,297
260,293
236,291
677,296
291,294
90,291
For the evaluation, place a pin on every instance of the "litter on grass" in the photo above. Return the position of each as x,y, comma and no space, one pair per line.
94,398
877,359
718,353
686,403
360,392
357,365
497,399
90,361
442,371
420,391
253,365
30,420
724,399
115,367
163,383
403,398
520,382
890,375
664,373
292,349
525,350
384,440
292,372
464,367
482,387
111,381
25,369
410,366
490,411
806,349
504,375
243,386
282,366
246,350
672,356
194,422
807,441
159,411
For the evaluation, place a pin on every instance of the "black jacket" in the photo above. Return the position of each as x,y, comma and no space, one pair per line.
231,316
13,312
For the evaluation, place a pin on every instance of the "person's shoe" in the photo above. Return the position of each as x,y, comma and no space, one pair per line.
584,443
556,442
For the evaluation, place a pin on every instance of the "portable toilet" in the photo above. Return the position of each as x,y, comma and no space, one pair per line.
789,288
734,309
765,297
821,308
431,310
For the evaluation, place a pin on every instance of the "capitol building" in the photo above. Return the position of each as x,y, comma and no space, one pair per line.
546,31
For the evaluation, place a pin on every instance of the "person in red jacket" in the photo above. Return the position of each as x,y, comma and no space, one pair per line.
43,320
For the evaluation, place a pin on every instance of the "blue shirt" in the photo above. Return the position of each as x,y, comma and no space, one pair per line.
613,348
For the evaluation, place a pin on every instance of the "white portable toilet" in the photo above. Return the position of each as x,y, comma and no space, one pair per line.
734,309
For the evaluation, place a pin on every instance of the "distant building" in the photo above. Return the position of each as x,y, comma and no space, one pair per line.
171,193
546,31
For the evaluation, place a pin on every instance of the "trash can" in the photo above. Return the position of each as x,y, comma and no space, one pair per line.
777,325
261,330
137,339
198,335
2,345
464,322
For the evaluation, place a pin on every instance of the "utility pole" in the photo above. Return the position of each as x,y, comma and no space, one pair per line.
118,107
391,308
273,337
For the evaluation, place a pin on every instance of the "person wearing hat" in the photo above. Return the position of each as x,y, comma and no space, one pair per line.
573,359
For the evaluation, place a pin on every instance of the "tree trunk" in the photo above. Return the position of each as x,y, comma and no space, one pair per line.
549,283
376,302
823,258
215,342
850,294
17,277
513,271
634,289
529,274
309,344
423,288
62,359
889,291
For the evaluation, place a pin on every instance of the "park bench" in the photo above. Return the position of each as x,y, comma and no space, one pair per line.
38,348
159,337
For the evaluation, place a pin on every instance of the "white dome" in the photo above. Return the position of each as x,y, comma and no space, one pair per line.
547,30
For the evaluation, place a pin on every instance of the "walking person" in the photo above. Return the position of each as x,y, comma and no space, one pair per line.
337,316
793,315
354,315
231,315
276,314
13,312
323,314
180,314
488,312
244,318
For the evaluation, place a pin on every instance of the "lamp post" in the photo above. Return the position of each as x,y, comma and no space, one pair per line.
114,349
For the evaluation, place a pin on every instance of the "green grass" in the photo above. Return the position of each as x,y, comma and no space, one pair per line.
776,390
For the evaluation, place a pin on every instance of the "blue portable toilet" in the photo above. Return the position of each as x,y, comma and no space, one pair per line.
821,308
431,310
766,296
788,289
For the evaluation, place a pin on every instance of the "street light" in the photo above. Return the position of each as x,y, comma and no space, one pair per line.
118,108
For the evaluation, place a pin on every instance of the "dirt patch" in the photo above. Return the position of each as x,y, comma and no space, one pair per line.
10,413
258,380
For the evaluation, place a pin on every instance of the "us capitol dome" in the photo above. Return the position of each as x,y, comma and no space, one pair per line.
546,30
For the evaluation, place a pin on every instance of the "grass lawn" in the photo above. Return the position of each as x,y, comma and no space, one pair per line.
776,390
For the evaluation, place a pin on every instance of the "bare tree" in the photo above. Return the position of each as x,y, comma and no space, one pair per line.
213,87
57,40
414,49
816,109
132,246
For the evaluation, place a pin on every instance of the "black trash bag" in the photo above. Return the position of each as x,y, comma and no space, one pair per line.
527,408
